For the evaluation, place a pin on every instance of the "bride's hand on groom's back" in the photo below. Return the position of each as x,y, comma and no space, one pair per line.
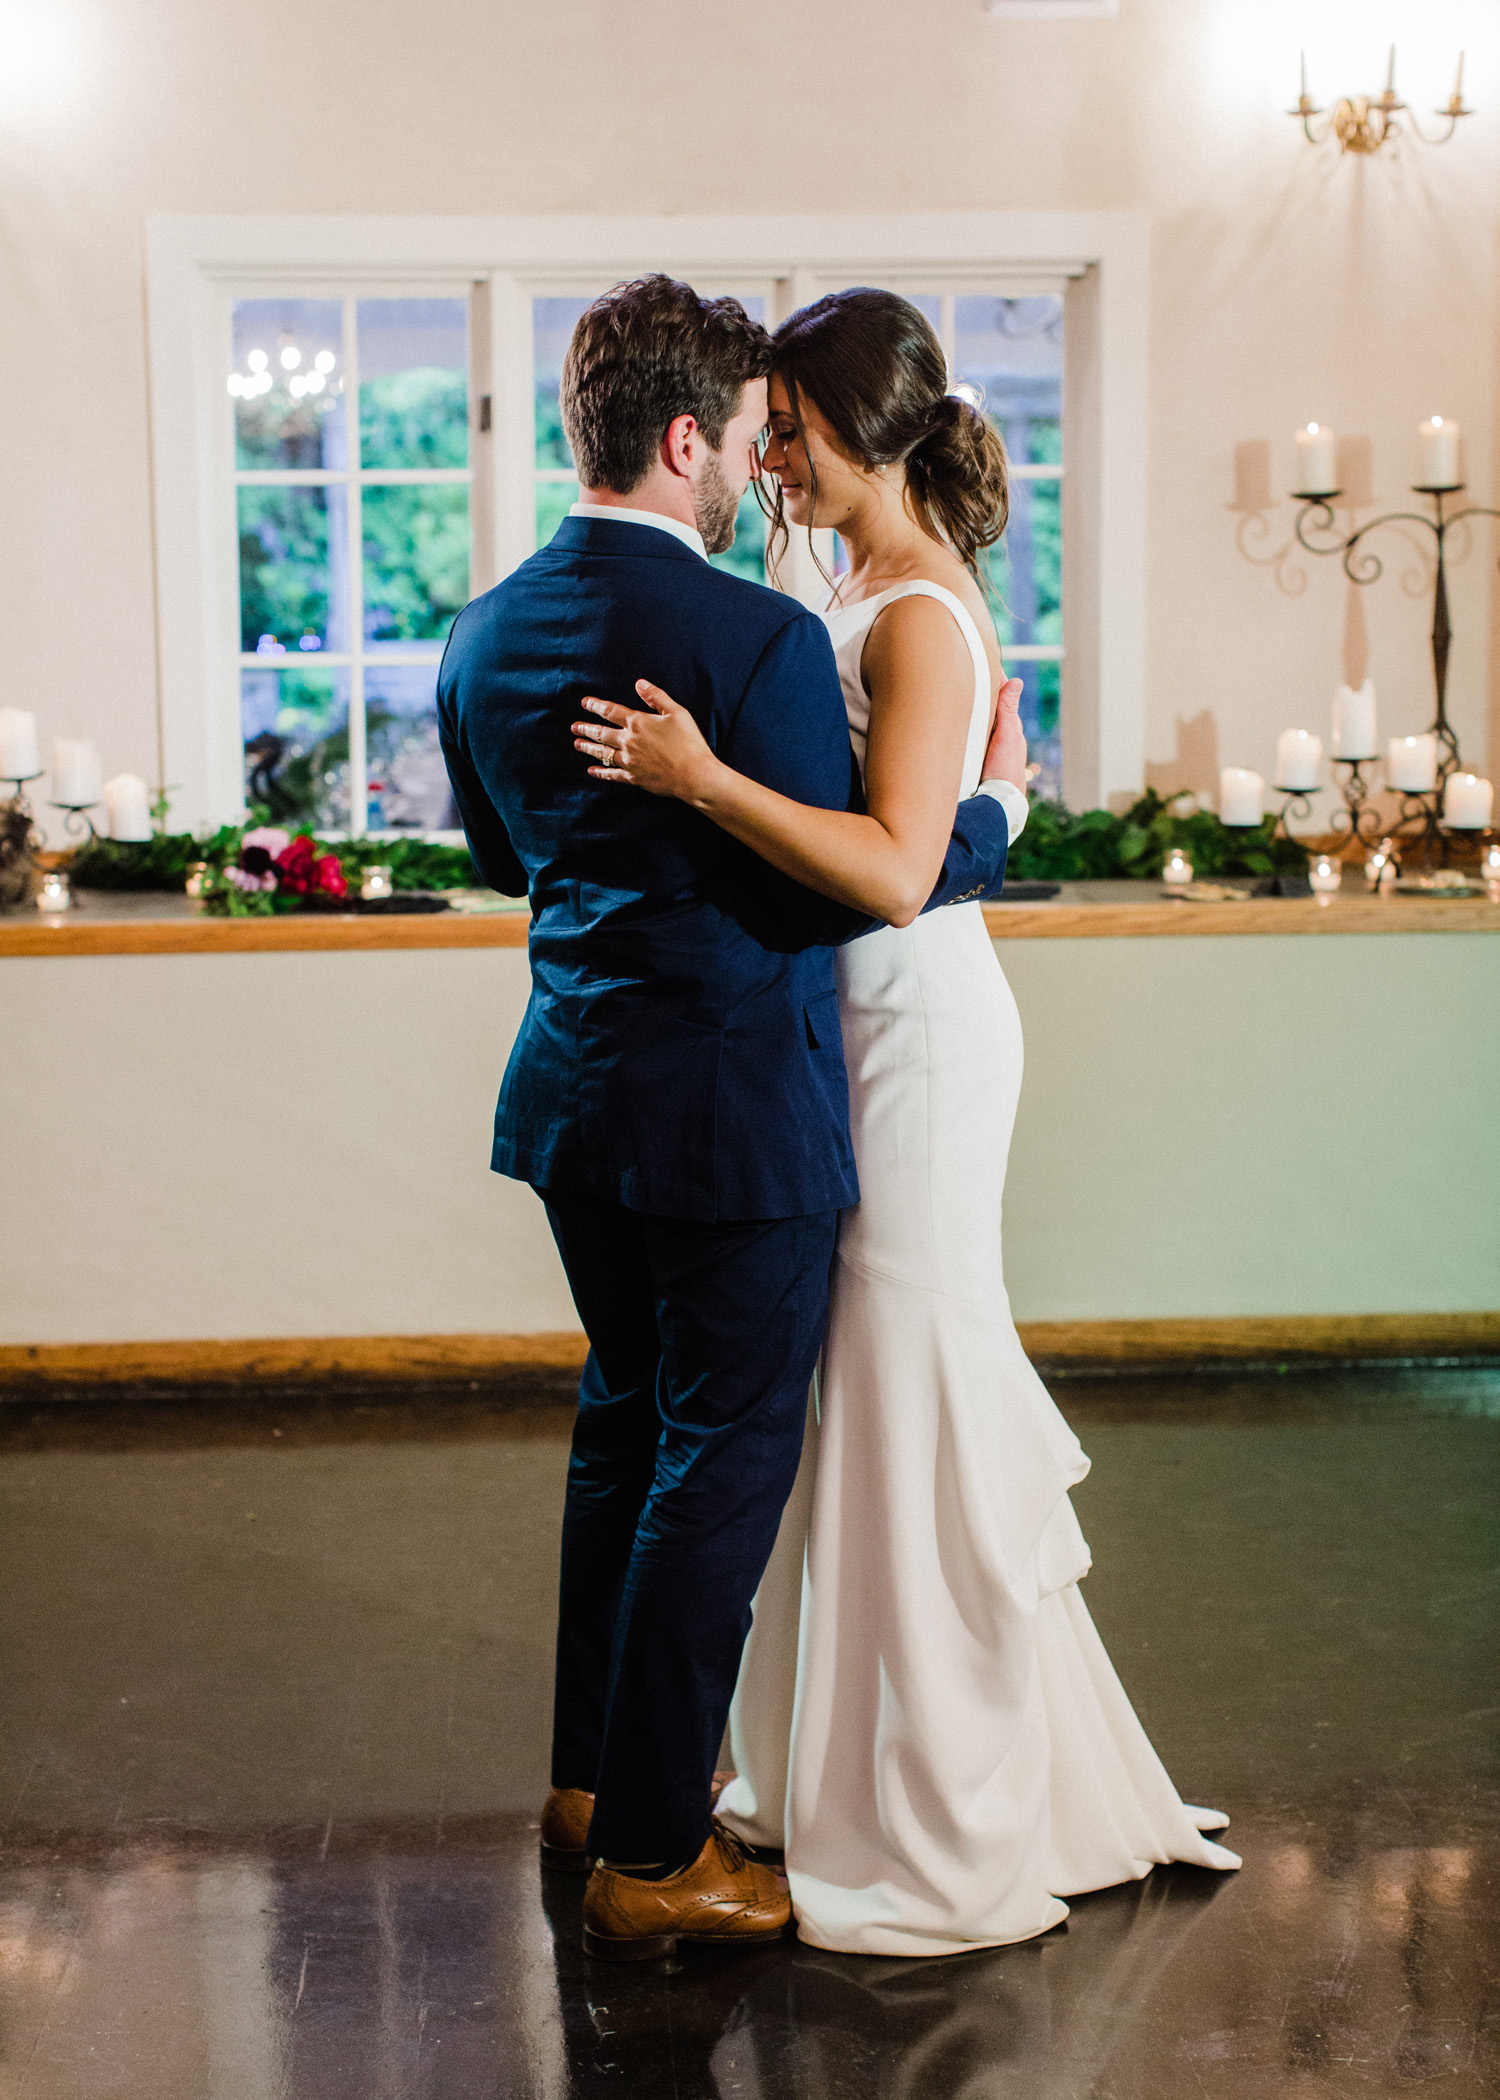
658,747
1006,757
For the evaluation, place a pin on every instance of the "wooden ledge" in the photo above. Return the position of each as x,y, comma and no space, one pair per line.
409,1360
1066,918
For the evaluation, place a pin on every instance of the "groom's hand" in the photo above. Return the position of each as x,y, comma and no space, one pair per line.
1006,757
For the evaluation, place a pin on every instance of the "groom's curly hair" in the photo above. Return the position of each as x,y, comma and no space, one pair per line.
643,355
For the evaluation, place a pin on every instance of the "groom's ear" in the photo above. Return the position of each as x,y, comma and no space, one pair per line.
682,447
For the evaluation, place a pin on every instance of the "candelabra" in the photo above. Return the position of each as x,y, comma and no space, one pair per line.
1421,811
77,822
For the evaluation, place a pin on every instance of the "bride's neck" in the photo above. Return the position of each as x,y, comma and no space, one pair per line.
882,540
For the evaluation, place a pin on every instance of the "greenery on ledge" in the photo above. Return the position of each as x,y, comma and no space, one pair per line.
1097,846
165,862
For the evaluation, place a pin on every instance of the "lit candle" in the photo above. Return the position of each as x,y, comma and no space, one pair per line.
1489,864
1439,453
1381,868
1240,793
18,747
55,894
76,775
129,807
1325,875
1354,721
1411,764
377,882
1178,871
1316,472
1467,802
1298,756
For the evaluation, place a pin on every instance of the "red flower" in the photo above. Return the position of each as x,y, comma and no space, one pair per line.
297,863
328,876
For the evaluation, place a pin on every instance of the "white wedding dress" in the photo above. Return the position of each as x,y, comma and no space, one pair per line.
926,1717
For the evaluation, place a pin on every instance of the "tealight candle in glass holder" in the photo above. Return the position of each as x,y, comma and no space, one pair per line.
56,892
377,883
1177,872
1325,875
194,884
1489,870
1382,867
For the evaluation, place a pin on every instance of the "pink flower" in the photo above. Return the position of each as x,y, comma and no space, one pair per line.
268,838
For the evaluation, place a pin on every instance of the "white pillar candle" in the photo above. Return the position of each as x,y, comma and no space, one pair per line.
1317,473
1411,764
1298,756
1467,802
1438,439
1354,721
1240,793
129,807
18,747
76,774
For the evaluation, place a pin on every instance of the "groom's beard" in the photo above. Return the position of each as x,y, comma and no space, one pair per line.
716,507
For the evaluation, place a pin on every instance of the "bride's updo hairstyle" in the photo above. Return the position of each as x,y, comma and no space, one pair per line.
872,365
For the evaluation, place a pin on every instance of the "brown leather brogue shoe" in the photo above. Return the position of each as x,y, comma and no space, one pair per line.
722,1900
565,1830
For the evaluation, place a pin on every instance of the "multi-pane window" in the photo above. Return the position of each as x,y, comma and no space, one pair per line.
352,472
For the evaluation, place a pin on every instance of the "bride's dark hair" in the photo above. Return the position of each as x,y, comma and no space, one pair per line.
873,366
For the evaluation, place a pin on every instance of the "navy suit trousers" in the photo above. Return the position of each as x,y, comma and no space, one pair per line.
703,1340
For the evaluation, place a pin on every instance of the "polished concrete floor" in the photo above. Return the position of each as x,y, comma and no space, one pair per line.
273,1699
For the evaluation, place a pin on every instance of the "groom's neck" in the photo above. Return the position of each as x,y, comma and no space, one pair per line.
668,494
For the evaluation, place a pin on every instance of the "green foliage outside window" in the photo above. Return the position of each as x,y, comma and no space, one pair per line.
283,565
416,542
414,419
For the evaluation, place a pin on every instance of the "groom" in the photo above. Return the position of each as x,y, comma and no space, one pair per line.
676,1094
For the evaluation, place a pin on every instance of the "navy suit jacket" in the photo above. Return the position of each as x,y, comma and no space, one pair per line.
680,1052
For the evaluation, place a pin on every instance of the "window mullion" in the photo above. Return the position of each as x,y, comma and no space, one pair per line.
359,789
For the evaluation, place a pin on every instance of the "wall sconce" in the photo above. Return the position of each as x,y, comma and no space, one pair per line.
1363,123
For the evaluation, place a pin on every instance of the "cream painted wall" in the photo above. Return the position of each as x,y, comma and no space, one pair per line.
1285,283
261,1145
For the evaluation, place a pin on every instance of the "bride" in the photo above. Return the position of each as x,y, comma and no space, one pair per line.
926,1718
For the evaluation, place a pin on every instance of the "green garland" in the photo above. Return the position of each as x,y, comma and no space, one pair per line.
165,862
1098,846
1056,846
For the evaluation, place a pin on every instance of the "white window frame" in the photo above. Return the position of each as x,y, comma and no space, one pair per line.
197,265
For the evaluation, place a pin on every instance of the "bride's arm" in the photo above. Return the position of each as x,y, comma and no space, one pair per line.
921,683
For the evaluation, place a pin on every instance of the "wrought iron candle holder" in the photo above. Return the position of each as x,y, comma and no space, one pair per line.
1421,813
77,822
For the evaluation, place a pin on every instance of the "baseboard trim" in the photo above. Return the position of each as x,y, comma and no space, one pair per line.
444,1359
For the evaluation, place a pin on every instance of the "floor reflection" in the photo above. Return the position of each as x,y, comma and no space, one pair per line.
1344,1961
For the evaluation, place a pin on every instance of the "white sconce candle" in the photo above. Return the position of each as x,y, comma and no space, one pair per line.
77,778
1316,456
55,894
1411,764
1298,756
1354,721
1240,793
19,758
1467,802
1325,875
377,883
1438,440
129,807
1178,871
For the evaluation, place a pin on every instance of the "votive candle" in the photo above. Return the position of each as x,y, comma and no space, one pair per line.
1354,721
377,882
1240,796
1411,764
1317,473
1177,872
1325,875
1438,440
56,892
1467,802
1299,754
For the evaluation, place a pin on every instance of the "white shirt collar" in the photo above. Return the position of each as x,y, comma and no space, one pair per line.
617,514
